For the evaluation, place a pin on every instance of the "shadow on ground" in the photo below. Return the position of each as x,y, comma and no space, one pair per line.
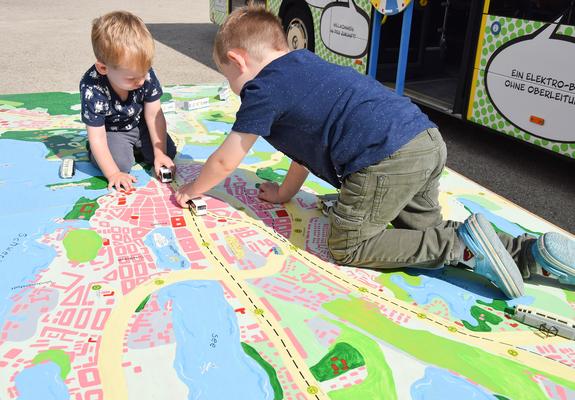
192,40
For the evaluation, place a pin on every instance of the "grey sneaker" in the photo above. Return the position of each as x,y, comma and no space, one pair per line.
554,254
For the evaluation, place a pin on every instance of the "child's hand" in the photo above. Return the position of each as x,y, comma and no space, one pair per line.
186,193
121,180
163,160
270,191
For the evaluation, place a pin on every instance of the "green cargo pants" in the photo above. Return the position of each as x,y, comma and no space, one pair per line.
403,190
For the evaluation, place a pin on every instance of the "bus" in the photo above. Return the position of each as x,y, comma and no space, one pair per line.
506,65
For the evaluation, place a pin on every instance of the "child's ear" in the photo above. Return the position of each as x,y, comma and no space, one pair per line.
238,58
101,68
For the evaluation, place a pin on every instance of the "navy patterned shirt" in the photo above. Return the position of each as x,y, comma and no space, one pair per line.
329,118
101,106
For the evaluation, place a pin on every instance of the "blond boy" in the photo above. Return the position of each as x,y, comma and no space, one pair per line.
378,148
116,92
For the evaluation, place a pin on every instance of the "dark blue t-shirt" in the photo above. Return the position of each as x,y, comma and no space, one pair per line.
329,118
101,106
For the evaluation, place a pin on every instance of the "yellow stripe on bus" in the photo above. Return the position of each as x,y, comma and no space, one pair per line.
486,6
477,61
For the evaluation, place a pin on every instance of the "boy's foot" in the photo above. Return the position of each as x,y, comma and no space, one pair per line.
554,254
490,256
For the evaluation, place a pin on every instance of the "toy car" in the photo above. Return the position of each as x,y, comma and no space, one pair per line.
198,206
325,202
67,168
165,174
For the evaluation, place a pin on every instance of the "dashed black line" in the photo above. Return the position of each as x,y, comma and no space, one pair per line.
303,256
252,302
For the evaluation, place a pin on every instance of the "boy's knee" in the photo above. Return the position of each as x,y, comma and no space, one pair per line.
341,257
125,165
124,160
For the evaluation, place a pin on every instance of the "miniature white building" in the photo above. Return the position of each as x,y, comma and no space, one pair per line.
223,93
195,104
169,107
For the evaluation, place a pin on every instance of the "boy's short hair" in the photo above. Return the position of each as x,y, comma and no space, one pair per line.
121,38
251,28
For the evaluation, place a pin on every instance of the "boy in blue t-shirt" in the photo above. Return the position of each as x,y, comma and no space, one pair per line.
378,148
121,101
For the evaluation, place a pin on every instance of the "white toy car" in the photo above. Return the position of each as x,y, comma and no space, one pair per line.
165,174
67,168
198,206
325,202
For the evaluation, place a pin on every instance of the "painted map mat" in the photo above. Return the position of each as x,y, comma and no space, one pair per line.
124,295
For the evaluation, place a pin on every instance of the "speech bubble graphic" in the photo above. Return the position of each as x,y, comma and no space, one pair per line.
530,81
344,29
390,7
318,3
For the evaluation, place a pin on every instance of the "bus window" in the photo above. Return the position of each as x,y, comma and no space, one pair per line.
534,10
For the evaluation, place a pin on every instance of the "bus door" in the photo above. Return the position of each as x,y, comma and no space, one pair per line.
440,52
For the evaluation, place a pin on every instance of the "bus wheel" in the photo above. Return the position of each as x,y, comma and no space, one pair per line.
298,25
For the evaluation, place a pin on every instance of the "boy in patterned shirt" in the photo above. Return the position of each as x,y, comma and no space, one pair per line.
117,91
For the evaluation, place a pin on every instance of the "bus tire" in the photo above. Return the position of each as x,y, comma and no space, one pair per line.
298,26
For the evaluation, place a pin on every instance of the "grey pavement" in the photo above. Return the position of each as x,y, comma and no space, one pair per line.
46,44
46,47
540,181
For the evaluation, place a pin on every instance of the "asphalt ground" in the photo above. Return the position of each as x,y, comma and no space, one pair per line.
540,181
46,47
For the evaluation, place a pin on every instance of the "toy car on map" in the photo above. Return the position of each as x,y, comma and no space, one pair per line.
165,174
325,202
67,168
198,206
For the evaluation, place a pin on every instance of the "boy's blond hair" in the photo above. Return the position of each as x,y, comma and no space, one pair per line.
250,28
120,38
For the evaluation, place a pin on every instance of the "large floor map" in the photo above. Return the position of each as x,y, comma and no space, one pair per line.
124,295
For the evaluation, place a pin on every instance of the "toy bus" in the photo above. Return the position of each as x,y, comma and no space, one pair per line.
198,206
507,66
67,168
165,174
326,202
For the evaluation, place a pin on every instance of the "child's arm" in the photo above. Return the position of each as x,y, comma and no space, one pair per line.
158,135
293,181
99,148
220,164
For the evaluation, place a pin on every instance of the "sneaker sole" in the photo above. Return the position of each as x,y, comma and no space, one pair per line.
495,254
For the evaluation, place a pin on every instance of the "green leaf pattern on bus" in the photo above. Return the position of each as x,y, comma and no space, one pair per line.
497,32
